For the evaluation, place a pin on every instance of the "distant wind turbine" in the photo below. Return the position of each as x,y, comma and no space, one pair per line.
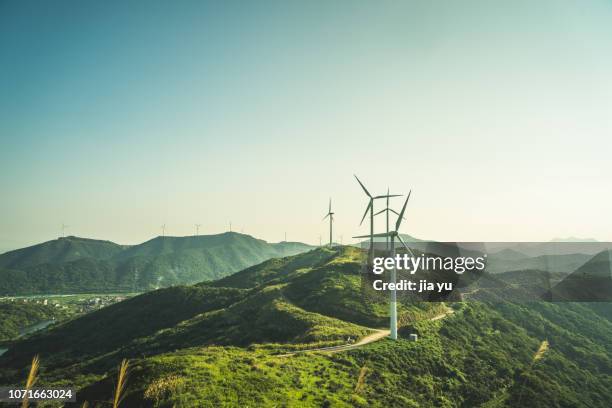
64,226
230,226
163,228
330,214
393,295
197,226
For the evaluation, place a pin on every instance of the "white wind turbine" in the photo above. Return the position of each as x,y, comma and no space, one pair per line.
370,209
330,214
393,294
64,226
387,210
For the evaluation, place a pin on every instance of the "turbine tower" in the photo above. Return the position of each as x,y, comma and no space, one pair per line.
197,226
370,208
163,228
393,294
330,214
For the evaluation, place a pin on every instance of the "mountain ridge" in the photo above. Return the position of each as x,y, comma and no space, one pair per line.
77,265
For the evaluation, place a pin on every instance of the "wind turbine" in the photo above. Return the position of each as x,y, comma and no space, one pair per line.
330,214
163,228
198,228
387,210
393,295
64,226
370,208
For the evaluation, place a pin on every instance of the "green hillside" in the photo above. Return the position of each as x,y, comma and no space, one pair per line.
230,343
77,265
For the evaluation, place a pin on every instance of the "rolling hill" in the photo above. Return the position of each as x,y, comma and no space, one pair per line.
226,343
58,251
592,282
78,265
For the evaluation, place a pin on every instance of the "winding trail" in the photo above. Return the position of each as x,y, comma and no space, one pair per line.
370,338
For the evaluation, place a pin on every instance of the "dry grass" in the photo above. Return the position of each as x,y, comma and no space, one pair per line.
540,353
162,387
121,381
32,377
361,379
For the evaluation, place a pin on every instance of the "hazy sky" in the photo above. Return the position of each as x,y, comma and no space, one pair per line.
117,117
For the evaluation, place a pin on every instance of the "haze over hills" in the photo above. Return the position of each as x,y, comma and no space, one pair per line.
74,265
225,342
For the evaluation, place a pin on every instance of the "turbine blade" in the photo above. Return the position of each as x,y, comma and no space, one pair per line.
366,212
405,246
380,212
329,204
395,212
387,196
400,217
362,186
383,234
326,216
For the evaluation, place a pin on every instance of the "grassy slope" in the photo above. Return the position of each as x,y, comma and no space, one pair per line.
479,356
185,316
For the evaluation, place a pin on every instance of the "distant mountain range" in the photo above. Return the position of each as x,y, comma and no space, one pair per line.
74,265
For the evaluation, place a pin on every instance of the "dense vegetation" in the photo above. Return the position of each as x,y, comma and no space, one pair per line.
78,265
225,343
15,317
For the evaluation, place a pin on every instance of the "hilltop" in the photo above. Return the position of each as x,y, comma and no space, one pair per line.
79,265
58,251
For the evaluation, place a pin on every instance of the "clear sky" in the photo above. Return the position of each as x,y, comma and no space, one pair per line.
119,116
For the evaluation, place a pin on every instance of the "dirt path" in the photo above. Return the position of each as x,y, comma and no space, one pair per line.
447,312
370,338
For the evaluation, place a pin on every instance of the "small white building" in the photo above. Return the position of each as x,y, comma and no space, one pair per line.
413,337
